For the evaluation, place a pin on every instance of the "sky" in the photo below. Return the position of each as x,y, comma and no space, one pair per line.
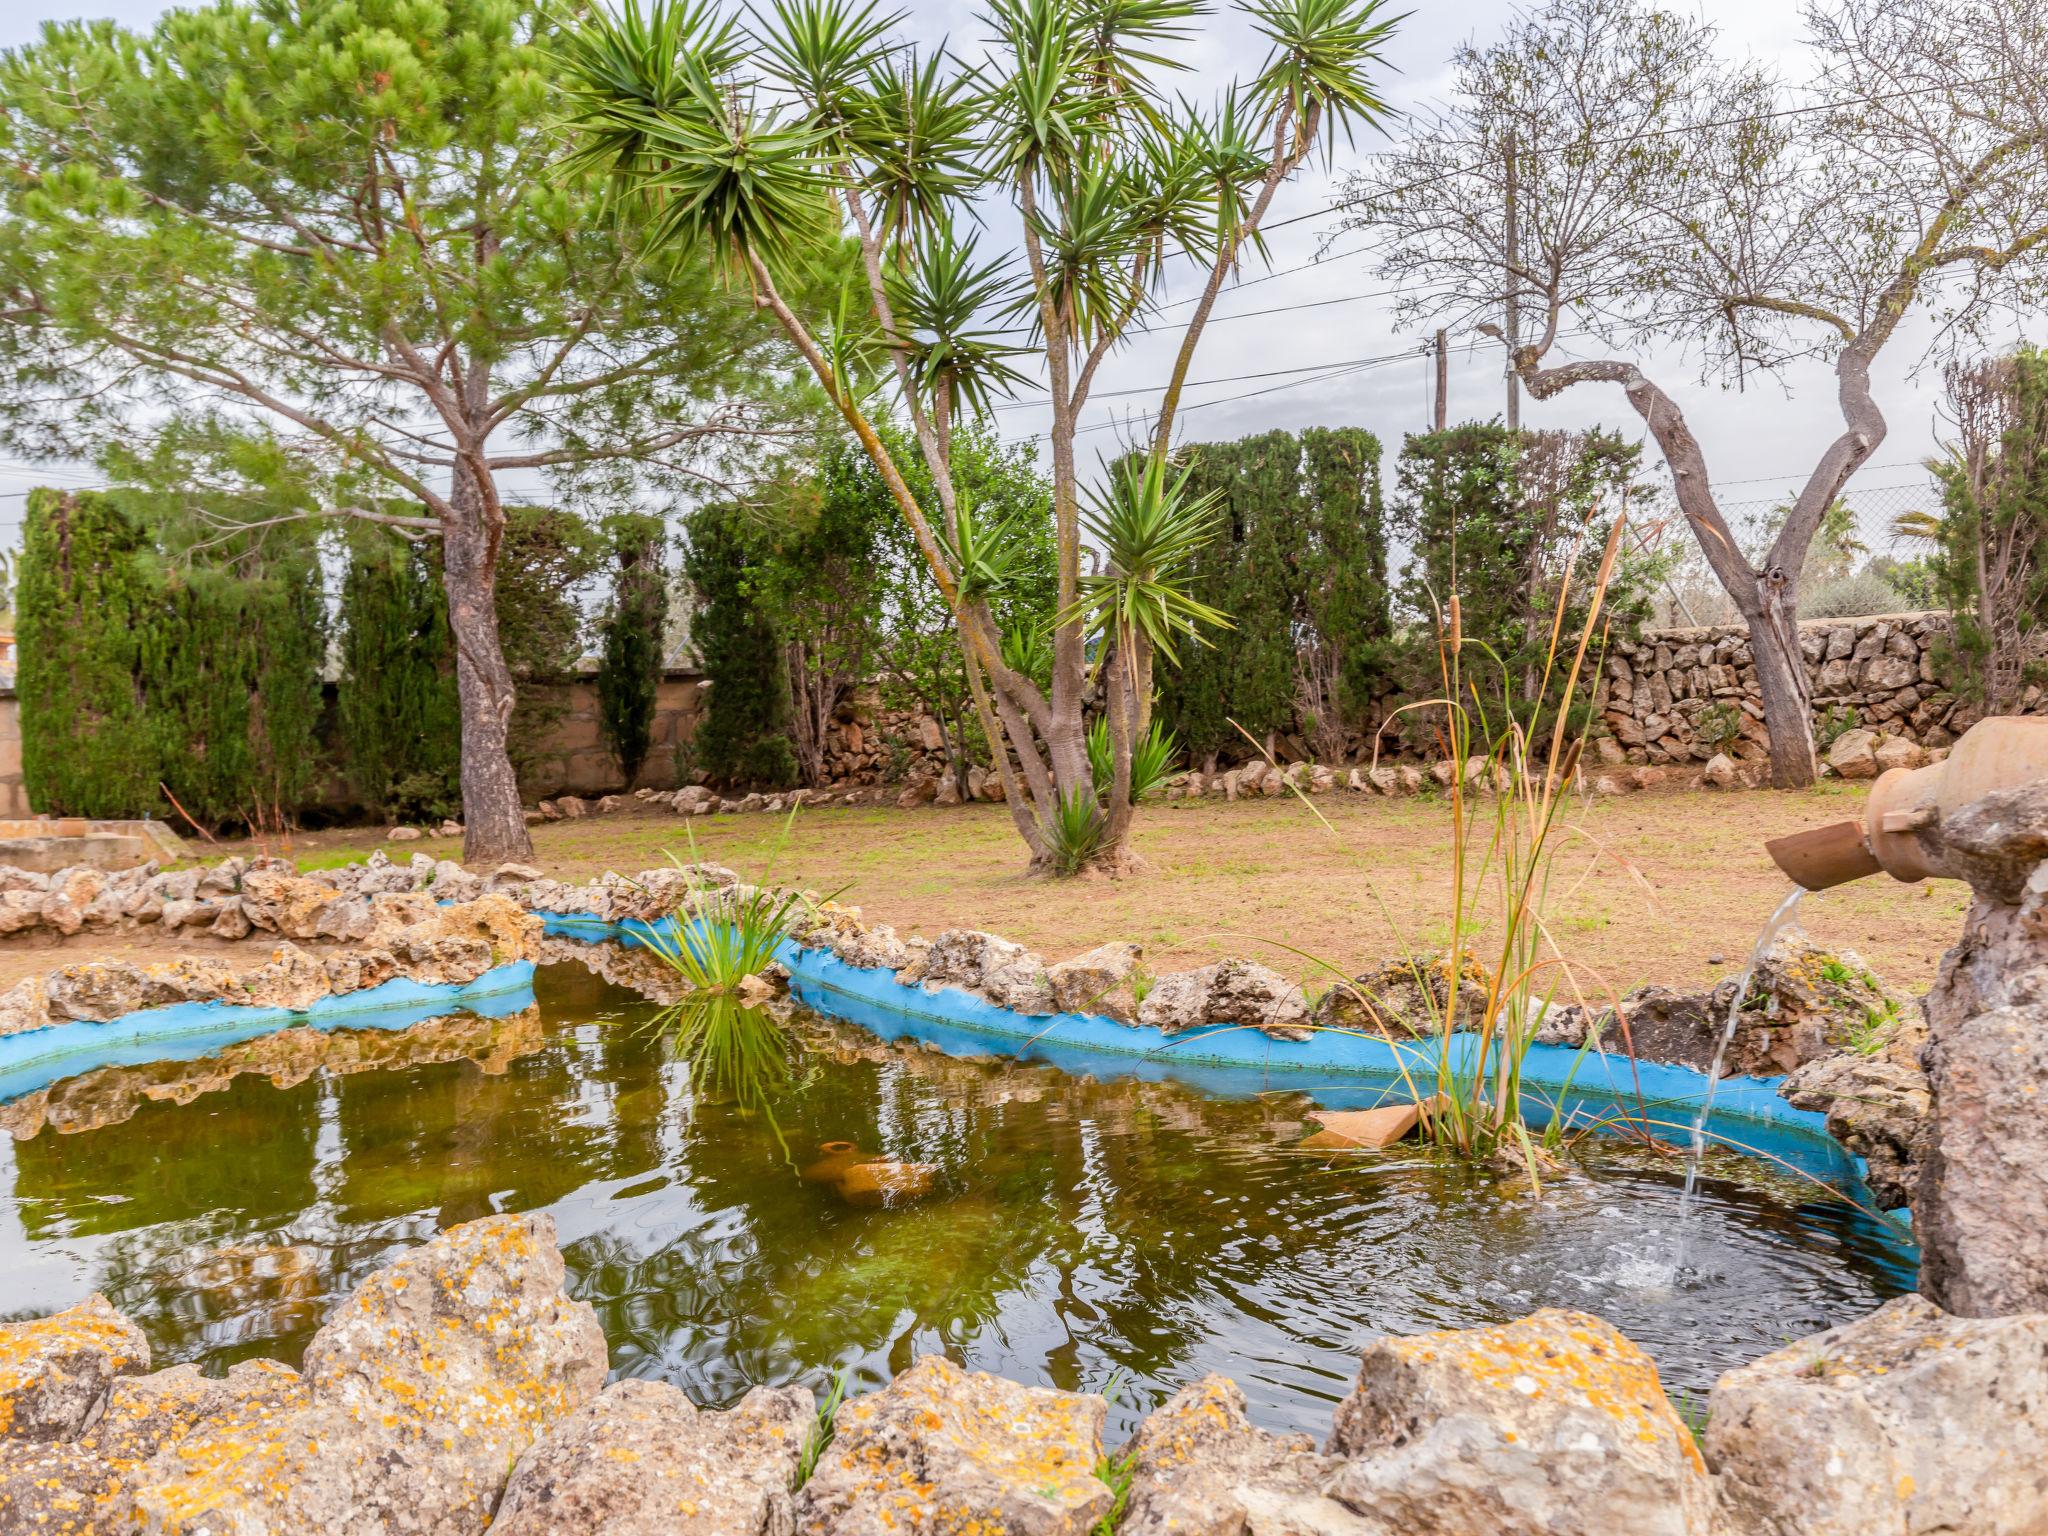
1759,442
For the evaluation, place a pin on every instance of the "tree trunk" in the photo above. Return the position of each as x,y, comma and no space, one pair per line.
1781,680
493,820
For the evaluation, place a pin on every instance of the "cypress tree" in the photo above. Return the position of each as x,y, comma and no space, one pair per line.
744,735
1344,576
401,723
82,604
629,669
1266,504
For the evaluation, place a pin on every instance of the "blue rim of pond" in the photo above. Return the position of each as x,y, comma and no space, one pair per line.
36,1058
1336,1070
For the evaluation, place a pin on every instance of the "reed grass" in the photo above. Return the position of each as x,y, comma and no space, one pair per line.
1510,782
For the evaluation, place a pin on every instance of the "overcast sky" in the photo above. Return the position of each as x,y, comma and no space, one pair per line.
1759,443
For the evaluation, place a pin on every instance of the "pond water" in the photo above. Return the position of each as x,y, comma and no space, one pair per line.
1077,1232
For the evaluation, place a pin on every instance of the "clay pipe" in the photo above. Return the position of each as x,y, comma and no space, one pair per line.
1825,856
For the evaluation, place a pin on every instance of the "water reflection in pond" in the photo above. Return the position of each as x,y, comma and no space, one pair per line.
1067,1230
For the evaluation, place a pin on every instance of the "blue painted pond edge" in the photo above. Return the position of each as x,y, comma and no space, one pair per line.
36,1058
1337,1070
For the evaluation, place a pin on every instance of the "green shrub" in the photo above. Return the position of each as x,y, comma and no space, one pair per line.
401,722
629,665
138,672
743,737
1853,596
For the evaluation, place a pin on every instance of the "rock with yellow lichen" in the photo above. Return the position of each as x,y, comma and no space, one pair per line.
1554,1425
1199,1468
422,1391
86,1485
1908,1422
639,1460
55,1372
942,1452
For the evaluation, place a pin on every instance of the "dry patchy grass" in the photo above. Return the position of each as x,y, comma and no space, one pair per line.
1650,887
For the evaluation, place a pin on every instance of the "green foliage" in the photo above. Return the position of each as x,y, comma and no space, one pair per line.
400,719
1828,729
1074,833
743,737
1991,544
1299,563
138,671
911,641
1152,759
629,665
1148,527
1846,597
725,933
1504,521
1719,725
84,597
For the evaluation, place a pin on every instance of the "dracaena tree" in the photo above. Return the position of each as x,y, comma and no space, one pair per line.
757,146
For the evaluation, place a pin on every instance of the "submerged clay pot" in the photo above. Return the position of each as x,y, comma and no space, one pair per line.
886,1183
834,1158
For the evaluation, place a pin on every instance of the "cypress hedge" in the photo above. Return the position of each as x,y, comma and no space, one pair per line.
635,625
401,722
137,672
744,735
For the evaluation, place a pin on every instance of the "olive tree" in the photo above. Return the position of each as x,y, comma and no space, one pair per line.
338,236
1601,171
757,148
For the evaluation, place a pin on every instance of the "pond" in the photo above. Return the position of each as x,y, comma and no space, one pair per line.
1081,1231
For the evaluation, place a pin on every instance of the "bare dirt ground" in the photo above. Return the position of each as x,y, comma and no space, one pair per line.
1667,887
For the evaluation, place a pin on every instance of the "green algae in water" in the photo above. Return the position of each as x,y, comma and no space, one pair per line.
1078,1229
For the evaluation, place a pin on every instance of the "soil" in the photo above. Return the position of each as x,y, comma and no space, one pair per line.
1665,886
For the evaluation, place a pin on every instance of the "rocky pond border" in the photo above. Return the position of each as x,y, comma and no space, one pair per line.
426,935
461,1389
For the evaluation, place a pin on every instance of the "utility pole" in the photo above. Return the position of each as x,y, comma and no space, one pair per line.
1443,380
1513,295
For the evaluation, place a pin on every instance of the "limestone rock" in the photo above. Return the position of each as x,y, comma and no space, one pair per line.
1004,972
918,792
1097,982
71,892
1720,771
97,991
1178,1000
940,1450
1877,1107
23,1007
1907,1422
1199,1468
56,1371
231,921
290,978
288,904
1898,752
1853,754
1555,1425
1405,998
1243,992
423,1390
19,909
88,1484
947,792
639,1460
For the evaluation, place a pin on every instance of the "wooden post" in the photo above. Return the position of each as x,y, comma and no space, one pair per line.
1513,291
1443,381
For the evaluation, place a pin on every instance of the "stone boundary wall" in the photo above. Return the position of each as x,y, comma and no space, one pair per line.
1882,668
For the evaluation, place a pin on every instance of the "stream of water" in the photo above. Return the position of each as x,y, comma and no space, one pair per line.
1774,926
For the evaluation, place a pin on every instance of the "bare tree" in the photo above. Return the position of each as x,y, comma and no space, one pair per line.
1668,198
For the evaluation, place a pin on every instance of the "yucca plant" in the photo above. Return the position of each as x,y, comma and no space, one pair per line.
768,151
1075,834
1152,759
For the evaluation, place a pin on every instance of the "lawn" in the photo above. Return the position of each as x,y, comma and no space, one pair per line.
1666,886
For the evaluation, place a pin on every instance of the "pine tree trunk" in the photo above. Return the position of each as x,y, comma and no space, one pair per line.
493,820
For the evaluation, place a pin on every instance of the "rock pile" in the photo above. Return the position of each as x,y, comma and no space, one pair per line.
459,1390
391,934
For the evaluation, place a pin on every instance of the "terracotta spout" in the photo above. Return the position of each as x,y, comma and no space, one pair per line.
1825,856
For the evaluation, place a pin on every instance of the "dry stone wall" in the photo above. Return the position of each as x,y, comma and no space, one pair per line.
1880,673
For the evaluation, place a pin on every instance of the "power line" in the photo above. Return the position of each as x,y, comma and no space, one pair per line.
1233,378
1655,133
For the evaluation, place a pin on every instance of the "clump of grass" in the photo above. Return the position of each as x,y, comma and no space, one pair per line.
1693,1414
1074,833
1505,827
723,934
1116,1473
824,1424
